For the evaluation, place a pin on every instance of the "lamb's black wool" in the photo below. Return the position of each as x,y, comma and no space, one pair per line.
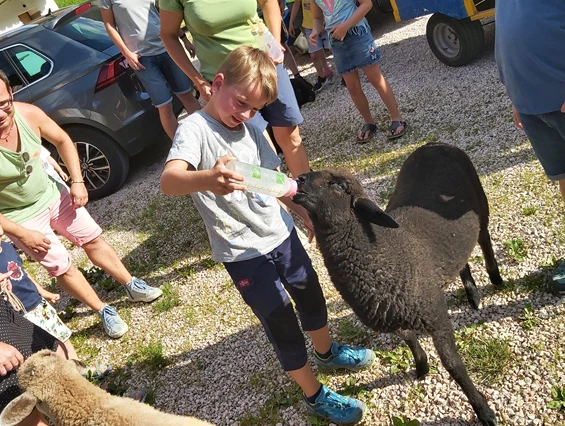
390,268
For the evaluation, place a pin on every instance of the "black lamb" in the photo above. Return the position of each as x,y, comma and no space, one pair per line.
390,268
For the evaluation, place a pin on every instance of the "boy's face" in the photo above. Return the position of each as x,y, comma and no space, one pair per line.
234,105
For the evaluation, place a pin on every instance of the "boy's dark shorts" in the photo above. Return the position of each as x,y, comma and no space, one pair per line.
265,283
546,133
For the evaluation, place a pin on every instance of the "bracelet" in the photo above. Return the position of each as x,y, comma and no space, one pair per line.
76,181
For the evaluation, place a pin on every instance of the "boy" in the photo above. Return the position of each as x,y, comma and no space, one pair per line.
252,234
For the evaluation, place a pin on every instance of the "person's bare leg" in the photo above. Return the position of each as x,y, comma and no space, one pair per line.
379,82
304,377
75,285
321,339
562,188
34,419
289,60
189,102
103,255
318,65
168,119
294,151
353,84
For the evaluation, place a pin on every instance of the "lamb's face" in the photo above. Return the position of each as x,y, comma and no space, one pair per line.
328,196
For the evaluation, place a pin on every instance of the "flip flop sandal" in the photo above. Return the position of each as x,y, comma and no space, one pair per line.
367,127
394,126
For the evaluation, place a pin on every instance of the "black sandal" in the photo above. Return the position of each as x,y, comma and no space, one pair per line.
394,127
367,127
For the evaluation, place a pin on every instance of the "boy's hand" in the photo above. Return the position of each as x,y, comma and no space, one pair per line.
291,30
50,297
314,37
224,181
133,61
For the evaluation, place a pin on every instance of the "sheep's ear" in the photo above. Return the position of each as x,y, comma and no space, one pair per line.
18,409
368,210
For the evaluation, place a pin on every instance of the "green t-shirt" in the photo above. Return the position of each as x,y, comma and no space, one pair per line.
217,28
24,197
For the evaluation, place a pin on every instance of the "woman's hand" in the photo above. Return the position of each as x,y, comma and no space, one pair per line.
205,90
516,117
10,358
36,241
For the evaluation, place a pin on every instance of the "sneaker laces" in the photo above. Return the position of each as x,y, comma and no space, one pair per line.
336,400
109,316
348,352
137,284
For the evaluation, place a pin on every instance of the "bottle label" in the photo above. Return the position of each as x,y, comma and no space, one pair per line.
280,178
256,172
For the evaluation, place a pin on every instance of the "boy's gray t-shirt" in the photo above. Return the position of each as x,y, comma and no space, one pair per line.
241,225
138,24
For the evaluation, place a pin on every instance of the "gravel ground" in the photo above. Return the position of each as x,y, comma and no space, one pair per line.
216,361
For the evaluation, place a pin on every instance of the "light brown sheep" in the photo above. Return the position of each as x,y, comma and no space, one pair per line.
57,389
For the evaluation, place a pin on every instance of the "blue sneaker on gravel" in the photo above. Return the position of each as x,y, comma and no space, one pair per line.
139,291
113,325
558,279
337,408
347,357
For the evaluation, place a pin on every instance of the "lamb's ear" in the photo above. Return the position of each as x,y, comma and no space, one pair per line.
369,210
17,410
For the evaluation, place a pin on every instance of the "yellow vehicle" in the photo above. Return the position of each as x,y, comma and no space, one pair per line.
454,32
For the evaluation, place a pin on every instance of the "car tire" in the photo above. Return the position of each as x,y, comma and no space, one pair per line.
383,6
455,42
104,164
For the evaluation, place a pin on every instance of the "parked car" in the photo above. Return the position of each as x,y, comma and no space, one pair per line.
66,64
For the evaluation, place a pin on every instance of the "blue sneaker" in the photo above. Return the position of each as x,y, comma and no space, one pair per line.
139,291
113,325
558,279
347,357
337,408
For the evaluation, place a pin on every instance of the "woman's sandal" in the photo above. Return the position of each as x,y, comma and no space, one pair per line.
394,127
368,129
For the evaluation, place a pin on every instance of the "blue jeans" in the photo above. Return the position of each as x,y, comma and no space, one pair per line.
546,133
160,74
358,50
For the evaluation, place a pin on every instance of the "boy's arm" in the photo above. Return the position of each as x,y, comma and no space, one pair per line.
293,12
317,21
57,168
47,295
340,30
302,213
181,178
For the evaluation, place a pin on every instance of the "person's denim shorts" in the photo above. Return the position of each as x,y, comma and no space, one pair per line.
284,112
159,74
358,50
323,41
546,133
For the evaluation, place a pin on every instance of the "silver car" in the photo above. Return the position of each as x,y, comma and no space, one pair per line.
66,64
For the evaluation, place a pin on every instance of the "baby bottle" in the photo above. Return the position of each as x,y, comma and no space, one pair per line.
264,181
266,41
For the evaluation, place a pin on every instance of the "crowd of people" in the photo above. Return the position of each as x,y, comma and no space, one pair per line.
251,234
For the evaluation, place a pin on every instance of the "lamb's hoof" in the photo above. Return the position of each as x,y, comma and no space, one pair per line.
422,371
487,417
496,279
474,301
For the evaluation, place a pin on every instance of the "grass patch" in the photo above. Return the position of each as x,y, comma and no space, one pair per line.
557,398
529,211
168,300
150,356
404,421
399,359
269,414
516,249
350,333
528,319
486,358
99,278
64,3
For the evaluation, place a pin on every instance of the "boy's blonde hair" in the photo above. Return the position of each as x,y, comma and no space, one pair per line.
248,66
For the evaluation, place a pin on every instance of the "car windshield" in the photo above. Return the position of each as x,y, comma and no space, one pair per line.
87,28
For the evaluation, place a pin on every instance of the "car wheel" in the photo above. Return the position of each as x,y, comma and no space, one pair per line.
455,42
104,164
382,5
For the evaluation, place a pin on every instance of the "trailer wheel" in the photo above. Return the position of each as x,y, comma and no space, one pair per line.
455,42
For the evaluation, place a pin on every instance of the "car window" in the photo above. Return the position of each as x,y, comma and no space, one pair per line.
16,82
31,64
87,28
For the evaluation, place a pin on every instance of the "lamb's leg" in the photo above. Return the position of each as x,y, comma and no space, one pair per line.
488,253
418,353
444,341
470,287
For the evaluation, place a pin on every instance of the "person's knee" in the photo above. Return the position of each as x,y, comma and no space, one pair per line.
95,243
288,137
